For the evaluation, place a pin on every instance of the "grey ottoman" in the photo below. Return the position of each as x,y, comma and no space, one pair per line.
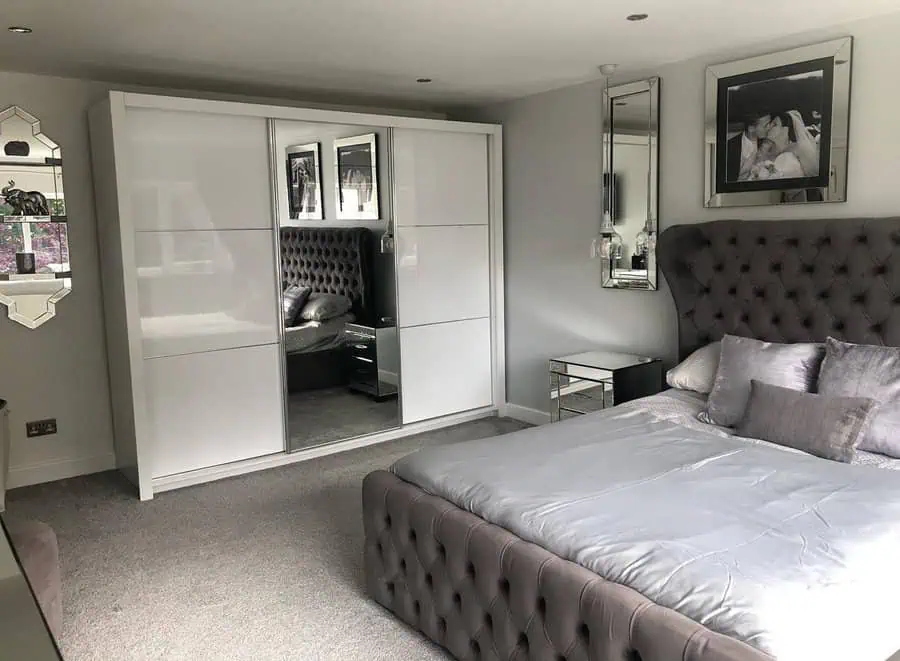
35,544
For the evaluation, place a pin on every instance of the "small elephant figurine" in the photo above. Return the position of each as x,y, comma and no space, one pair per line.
32,203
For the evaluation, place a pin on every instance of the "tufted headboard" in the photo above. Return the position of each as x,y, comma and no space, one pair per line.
330,260
785,281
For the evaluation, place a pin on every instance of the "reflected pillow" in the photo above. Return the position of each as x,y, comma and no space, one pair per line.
794,366
827,427
322,307
293,299
697,372
864,370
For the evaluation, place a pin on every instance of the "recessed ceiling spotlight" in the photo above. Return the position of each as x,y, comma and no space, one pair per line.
637,17
424,81
19,29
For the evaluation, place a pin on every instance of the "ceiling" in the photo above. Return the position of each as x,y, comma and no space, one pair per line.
476,51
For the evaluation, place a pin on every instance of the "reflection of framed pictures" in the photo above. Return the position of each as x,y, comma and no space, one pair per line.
304,182
356,178
777,127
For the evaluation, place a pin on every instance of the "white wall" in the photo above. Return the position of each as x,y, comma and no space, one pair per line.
60,369
552,201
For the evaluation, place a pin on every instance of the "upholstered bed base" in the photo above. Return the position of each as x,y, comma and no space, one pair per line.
483,593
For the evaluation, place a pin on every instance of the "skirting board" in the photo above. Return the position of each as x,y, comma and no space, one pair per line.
50,471
171,482
525,414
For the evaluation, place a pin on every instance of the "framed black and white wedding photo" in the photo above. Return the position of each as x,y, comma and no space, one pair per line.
356,168
304,182
777,127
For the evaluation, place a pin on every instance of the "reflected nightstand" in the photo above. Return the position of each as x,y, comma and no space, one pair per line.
594,380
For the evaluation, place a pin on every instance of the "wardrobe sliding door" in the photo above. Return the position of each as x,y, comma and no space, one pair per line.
200,199
443,271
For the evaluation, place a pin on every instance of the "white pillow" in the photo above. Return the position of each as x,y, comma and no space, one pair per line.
697,372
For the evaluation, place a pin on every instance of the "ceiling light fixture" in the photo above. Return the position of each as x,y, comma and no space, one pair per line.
424,81
637,17
19,29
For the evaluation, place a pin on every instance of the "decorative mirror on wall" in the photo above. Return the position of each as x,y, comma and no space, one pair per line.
34,246
629,227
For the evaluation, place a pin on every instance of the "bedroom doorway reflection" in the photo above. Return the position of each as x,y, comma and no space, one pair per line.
339,335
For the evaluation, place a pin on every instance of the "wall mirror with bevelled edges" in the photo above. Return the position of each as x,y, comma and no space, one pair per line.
34,247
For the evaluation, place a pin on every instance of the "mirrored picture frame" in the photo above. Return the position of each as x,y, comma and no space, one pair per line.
630,223
304,177
777,127
356,178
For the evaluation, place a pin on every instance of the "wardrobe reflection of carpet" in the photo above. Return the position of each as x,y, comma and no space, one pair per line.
333,414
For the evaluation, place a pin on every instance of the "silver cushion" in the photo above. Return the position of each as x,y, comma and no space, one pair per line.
862,370
794,366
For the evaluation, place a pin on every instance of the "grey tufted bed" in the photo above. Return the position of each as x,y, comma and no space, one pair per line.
330,260
483,592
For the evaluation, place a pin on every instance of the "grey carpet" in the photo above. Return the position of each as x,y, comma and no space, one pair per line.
262,567
323,416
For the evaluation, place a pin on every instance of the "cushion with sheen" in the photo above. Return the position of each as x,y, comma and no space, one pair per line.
863,370
697,372
794,366
322,307
827,427
294,298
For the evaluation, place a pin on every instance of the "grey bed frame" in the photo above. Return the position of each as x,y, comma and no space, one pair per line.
483,593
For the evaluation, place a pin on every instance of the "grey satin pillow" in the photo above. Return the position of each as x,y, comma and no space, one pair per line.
794,366
697,372
828,427
293,299
322,307
863,370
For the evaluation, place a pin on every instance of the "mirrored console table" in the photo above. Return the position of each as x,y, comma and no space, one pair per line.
594,380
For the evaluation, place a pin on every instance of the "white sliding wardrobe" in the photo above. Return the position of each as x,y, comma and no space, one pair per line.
186,192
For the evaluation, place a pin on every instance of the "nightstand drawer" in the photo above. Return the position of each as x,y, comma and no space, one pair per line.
362,348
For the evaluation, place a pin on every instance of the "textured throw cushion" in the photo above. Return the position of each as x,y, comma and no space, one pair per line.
697,372
862,370
294,298
794,366
828,427
322,307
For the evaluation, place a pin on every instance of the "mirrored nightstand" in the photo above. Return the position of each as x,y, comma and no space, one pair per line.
594,380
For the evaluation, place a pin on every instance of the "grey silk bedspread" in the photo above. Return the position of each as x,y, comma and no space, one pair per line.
795,555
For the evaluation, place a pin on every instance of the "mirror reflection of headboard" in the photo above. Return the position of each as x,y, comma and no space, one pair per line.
785,281
330,260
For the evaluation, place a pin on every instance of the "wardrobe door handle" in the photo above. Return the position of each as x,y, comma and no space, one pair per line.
365,360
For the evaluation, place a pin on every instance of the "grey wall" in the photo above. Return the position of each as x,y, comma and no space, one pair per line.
60,369
551,192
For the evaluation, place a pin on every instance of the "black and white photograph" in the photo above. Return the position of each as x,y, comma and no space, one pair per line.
774,125
357,176
304,182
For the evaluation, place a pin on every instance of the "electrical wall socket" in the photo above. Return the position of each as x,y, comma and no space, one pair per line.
40,427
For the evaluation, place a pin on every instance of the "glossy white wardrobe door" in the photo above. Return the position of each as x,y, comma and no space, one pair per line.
203,291
445,368
443,274
207,409
440,178
197,171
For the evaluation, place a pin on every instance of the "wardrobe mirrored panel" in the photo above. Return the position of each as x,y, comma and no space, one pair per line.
630,182
336,264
